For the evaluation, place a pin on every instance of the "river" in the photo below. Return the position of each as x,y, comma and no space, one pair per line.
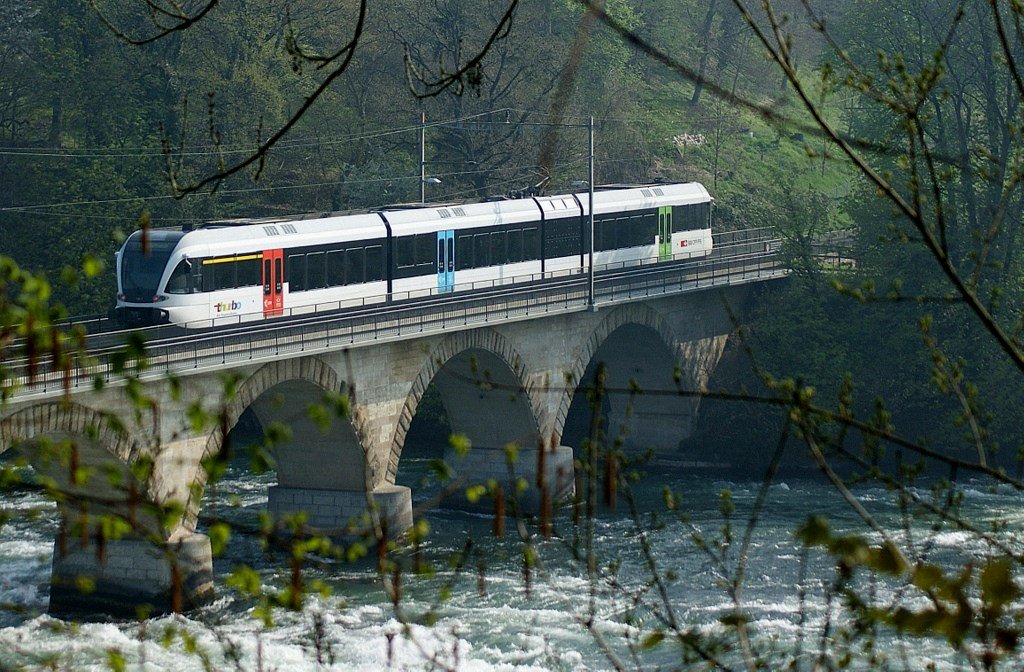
496,622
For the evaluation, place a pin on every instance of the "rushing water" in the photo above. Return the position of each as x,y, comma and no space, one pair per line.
497,623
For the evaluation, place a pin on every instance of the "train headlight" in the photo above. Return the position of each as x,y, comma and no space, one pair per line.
158,298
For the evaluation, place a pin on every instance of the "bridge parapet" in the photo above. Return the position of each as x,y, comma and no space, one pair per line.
740,257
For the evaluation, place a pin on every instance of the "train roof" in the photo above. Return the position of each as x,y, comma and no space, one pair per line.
465,216
641,197
246,235
256,235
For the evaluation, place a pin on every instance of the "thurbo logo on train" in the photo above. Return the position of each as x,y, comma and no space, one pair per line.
227,306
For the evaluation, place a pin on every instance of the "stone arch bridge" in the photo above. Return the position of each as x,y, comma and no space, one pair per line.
131,448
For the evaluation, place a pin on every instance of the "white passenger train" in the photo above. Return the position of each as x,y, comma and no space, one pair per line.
243,270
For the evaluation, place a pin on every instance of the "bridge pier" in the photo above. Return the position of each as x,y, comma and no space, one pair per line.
130,576
344,512
644,429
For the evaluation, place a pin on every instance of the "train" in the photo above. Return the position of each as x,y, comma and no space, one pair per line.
242,270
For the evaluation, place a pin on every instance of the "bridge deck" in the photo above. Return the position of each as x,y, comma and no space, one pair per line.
739,257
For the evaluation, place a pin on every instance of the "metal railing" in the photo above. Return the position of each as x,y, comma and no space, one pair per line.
739,257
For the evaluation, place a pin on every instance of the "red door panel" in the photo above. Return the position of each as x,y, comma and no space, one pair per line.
273,283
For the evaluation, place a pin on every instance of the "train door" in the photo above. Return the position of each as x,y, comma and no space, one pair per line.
665,233
273,283
445,260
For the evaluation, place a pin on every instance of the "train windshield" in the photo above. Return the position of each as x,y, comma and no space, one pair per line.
141,271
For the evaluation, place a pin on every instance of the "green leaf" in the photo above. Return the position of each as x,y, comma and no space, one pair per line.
929,578
475,492
815,532
219,534
245,580
997,585
652,639
92,266
441,470
888,560
320,416
734,619
85,584
460,443
116,661
355,551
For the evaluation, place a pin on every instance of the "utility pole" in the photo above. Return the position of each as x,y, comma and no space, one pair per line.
591,306
423,157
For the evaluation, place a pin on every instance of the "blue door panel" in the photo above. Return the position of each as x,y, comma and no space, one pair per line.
445,260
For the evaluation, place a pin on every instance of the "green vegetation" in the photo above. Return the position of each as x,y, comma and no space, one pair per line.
94,130
896,124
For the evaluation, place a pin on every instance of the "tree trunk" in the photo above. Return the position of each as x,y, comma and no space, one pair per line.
698,86
56,121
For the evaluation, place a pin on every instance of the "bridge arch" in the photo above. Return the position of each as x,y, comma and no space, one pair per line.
482,379
100,443
66,418
642,346
58,437
328,457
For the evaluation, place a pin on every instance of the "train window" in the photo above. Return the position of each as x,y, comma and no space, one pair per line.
562,237
690,217
650,226
498,248
374,263
296,272
218,275
335,268
618,235
464,259
354,266
614,233
266,277
315,278
515,246
630,231
405,252
604,233
224,276
141,273
531,243
248,272
646,228
208,276
481,250
178,282
425,252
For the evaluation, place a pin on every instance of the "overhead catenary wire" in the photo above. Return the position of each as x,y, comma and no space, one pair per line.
46,209
192,151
